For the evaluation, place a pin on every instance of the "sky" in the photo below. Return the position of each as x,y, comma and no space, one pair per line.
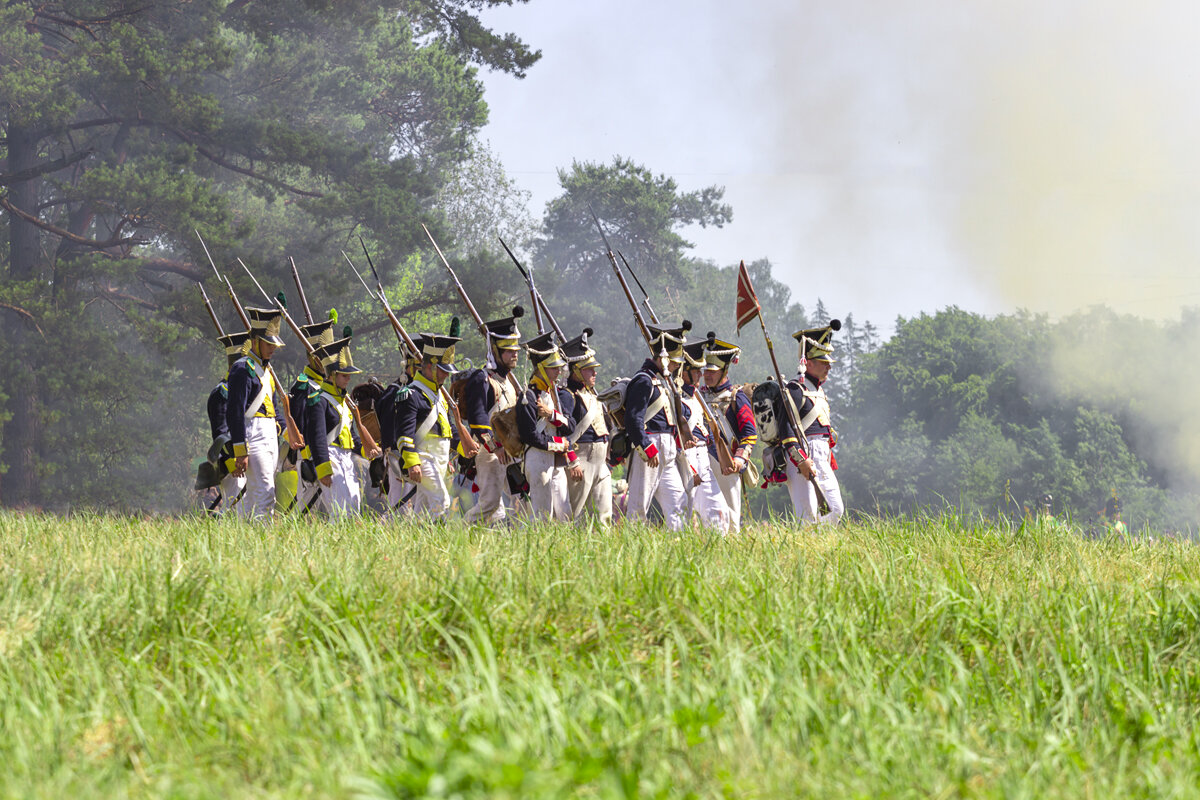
890,157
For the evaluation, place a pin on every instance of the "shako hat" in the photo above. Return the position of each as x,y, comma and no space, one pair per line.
579,353
438,349
543,352
265,324
669,341
693,352
816,344
502,333
235,345
720,354
320,333
335,356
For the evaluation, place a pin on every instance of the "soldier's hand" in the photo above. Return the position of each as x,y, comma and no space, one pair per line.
239,466
470,449
575,472
374,453
414,473
737,466
807,469
297,443
327,481
652,462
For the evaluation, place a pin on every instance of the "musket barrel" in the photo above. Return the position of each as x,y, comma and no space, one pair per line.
462,292
300,291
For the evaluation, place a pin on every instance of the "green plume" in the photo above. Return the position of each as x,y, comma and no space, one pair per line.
333,314
282,298
455,327
347,333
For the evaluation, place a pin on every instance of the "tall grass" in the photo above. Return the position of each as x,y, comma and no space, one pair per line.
940,658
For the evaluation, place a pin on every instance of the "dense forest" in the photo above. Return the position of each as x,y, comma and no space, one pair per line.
295,129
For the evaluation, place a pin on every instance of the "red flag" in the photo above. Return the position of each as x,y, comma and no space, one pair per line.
747,302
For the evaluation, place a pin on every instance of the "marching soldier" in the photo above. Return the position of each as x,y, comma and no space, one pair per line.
650,428
543,428
332,435
307,386
490,391
733,403
812,407
707,501
253,419
590,479
218,469
423,426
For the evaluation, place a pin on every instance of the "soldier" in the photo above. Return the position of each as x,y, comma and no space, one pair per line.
218,469
723,398
707,501
543,427
490,391
332,434
812,407
589,478
650,428
252,416
298,465
423,425
385,412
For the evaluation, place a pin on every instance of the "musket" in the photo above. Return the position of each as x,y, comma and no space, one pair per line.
470,446
683,430
407,346
294,437
209,308
462,292
368,441
300,291
539,303
645,294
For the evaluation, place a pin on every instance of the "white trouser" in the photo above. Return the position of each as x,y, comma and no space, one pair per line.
547,486
432,496
231,487
663,482
804,499
707,502
343,496
492,480
262,445
731,491
595,488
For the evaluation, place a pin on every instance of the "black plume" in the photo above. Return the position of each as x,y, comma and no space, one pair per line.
518,311
687,325
711,336
836,324
588,331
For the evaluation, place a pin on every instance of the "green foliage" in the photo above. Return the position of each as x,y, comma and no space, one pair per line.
275,129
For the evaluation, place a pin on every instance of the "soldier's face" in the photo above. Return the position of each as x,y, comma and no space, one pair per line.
508,358
818,369
713,377
342,379
552,373
692,375
587,376
265,349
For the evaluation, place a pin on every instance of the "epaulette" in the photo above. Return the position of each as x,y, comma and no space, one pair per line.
403,391
223,388
250,366
300,380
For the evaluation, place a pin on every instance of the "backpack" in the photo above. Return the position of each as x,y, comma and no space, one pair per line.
769,413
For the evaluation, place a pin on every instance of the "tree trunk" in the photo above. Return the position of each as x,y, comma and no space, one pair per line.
18,487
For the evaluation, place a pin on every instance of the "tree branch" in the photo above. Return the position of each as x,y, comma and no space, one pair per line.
45,167
29,317
66,234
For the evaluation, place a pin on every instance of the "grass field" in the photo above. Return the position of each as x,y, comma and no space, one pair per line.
189,659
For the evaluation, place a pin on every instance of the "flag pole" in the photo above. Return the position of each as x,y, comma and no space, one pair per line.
788,406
